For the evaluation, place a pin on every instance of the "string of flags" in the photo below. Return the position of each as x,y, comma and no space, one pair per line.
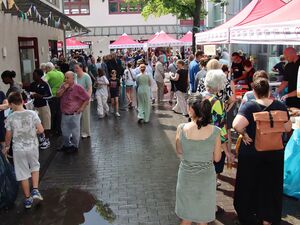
33,12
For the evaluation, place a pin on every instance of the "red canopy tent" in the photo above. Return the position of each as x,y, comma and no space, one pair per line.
163,40
72,44
187,39
254,10
125,41
280,27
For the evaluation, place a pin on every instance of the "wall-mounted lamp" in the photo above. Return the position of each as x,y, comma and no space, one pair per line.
4,52
42,50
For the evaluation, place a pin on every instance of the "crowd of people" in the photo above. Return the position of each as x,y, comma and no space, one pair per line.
202,88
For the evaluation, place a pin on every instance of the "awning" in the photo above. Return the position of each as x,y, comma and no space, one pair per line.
43,13
125,41
163,40
279,27
254,10
187,39
73,44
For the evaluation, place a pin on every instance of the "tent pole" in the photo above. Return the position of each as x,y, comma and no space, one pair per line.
229,52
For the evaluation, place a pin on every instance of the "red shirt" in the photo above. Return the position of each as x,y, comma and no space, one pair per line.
73,98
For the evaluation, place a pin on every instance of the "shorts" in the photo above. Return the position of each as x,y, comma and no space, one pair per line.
114,93
45,116
26,162
219,166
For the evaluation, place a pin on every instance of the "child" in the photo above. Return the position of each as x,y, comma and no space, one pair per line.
114,87
22,127
101,84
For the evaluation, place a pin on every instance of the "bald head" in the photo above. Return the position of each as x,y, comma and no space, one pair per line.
290,54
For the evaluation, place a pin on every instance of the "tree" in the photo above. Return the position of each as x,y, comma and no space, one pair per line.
183,9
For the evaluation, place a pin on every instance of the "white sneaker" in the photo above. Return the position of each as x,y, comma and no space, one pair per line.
118,114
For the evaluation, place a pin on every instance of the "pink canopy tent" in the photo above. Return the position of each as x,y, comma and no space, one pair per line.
125,41
187,39
163,40
254,10
280,27
73,44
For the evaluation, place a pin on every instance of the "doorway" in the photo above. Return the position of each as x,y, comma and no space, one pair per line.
29,57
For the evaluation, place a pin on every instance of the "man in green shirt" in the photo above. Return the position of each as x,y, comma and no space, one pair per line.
55,79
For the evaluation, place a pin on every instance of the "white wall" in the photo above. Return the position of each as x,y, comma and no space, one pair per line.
99,16
11,28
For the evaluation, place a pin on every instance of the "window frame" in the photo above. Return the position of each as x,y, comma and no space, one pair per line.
69,4
118,2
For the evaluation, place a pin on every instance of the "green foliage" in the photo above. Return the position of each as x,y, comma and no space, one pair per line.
183,9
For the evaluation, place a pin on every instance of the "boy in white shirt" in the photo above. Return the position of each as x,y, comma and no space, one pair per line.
22,127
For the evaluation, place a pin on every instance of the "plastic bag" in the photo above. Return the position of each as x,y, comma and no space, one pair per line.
291,185
8,183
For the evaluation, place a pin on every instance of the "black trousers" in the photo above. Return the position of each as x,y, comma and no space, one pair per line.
259,187
54,104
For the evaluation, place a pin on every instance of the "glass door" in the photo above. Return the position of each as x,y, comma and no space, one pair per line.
29,58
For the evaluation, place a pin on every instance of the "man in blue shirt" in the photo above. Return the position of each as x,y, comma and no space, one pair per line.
194,68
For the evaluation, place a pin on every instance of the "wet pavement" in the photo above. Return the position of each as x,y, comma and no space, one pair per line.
124,174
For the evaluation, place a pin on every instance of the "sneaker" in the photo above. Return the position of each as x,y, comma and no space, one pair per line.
118,114
101,117
28,203
45,144
140,121
85,136
36,195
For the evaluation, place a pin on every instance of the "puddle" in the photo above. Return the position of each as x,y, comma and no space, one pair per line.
61,207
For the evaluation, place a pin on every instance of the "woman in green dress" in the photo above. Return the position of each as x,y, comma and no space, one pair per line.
198,144
143,95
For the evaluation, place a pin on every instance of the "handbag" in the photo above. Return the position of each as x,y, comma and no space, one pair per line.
166,91
269,129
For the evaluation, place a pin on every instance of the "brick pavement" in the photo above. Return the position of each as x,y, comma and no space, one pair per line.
134,169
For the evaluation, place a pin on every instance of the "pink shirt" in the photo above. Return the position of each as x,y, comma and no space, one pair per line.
73,98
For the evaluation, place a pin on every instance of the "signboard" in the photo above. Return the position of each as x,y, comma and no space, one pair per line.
210,49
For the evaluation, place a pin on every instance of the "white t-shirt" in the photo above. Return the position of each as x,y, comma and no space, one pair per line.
102,86
23,124
129,76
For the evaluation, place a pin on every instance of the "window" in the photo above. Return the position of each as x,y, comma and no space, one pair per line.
77,7
54,2
122,7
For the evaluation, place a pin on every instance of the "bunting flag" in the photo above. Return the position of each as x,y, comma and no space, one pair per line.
10,3
33,12
4,3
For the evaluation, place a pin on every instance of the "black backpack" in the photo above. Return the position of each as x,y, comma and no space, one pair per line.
8,183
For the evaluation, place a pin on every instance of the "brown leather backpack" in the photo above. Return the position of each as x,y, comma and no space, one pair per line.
269,129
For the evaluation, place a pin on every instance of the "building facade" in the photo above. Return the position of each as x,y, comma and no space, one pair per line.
30,30
109,19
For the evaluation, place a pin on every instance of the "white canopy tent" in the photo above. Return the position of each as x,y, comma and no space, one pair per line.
280,27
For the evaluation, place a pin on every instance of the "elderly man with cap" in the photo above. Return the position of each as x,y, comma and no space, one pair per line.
73,101
55,79
159,76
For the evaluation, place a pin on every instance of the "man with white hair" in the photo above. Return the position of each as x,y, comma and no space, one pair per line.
290,78
159,77
55,79
74,100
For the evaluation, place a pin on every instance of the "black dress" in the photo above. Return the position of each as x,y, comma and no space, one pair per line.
259,178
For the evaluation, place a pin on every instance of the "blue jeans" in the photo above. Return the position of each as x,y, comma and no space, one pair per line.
70,127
